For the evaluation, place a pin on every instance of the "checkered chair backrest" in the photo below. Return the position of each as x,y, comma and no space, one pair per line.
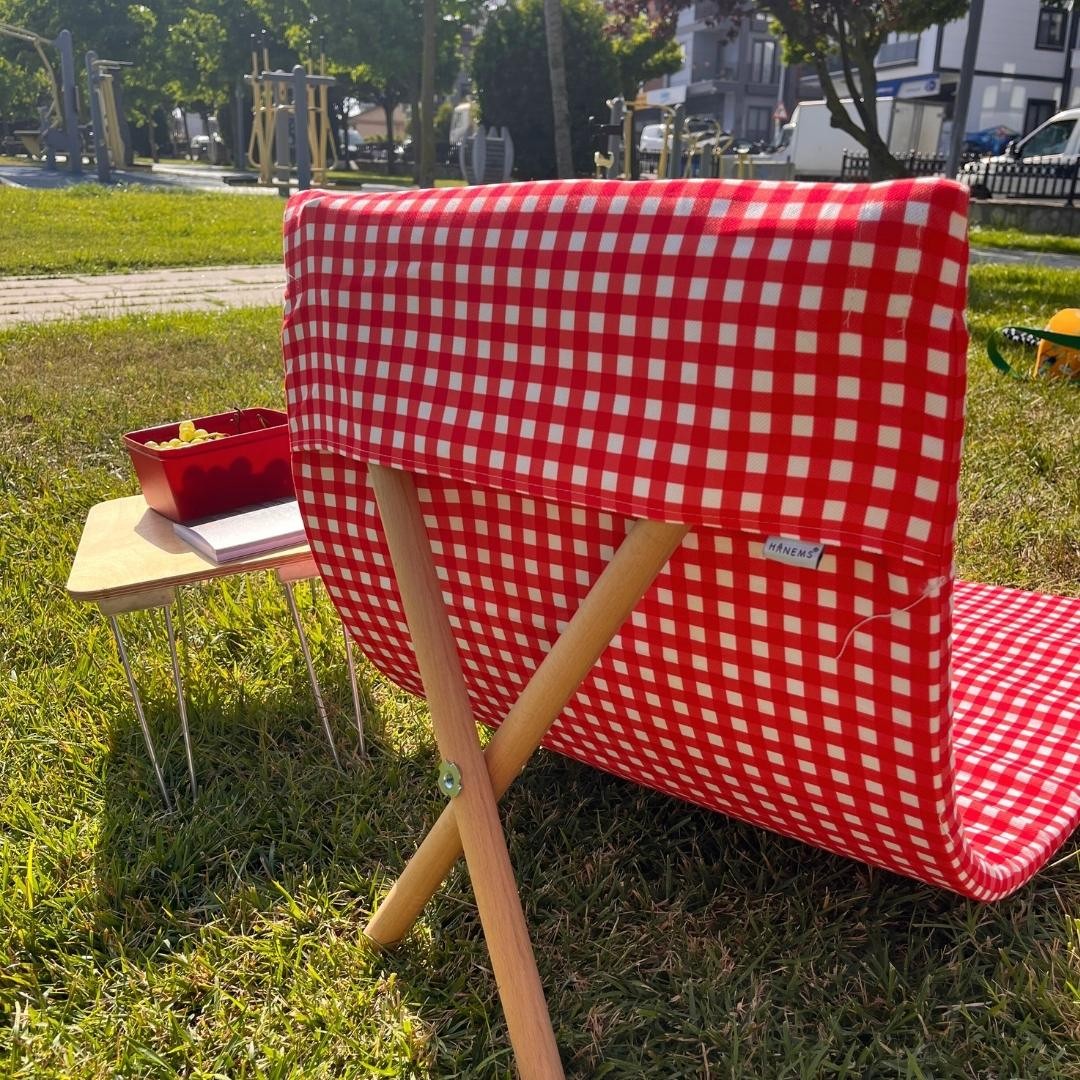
779,365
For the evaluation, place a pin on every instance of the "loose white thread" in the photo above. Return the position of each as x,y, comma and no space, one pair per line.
933,586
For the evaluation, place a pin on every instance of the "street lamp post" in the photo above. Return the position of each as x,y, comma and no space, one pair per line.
962,101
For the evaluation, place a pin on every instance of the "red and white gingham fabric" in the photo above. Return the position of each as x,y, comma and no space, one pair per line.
553,360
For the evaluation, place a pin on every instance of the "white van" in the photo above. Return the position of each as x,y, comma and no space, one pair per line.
1054,143
814,150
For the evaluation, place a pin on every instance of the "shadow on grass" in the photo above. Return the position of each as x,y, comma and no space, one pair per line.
671,941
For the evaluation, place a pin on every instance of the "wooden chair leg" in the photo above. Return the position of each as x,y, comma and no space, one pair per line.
607,606
477,814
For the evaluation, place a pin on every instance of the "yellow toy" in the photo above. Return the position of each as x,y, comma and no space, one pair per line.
1058,355
1056,361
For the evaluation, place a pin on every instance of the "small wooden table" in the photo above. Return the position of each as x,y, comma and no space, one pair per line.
129,558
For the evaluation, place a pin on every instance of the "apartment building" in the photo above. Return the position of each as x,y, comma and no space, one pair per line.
733,81
1027,67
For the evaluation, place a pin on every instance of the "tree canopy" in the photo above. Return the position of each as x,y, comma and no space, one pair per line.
195,53
604,57
818,33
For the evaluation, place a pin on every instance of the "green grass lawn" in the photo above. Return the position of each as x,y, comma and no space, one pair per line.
224,940
982,236
93,230
90,230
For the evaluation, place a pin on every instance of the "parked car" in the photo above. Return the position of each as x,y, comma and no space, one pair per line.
751,146
200,149
651,139
991,140
1051,151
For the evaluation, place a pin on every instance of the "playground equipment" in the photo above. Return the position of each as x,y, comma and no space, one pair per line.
59,132
290,118
112,137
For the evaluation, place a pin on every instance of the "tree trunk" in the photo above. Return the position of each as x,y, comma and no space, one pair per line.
553,25
417,135
883,166
391,162
427,96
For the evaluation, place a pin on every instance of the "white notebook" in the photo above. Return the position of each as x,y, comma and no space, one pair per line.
227,537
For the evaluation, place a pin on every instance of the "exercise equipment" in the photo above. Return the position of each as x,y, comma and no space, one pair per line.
290,122
112,137
708,147
319,131
487,156
618,137
59,132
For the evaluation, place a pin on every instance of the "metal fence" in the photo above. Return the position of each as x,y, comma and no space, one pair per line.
856,167
985,176
1022,180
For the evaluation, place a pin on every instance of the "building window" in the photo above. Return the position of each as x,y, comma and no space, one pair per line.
1038,111
1051,31
723,67
899,49
764,61
758,122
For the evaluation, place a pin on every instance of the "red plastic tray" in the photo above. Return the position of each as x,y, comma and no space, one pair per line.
192,482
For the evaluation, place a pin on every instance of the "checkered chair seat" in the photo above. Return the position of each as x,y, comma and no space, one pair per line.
780,367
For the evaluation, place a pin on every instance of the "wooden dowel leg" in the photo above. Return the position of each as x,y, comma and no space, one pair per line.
477,814
606,607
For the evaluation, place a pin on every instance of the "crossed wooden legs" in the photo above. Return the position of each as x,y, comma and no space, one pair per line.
470,822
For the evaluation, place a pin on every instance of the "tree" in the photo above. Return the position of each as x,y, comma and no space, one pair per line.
133,32
427,94
603,57
20,90
375,47
815,31
560,103
644,49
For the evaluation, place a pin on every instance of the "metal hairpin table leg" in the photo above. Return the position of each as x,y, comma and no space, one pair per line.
355,690
181,703
139,708
315,690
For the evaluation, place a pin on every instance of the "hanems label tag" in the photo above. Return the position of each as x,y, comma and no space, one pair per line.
793,552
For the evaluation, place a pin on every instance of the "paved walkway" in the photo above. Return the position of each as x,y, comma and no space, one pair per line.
37,299
1014,257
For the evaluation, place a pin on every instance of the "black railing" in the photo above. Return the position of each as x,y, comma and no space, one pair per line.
1022,180
985,176
856,167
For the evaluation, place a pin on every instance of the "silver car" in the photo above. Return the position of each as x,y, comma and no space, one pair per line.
1042,164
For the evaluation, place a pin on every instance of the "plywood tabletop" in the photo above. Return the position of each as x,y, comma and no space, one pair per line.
128,549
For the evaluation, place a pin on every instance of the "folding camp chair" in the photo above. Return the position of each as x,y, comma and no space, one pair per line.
664,477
